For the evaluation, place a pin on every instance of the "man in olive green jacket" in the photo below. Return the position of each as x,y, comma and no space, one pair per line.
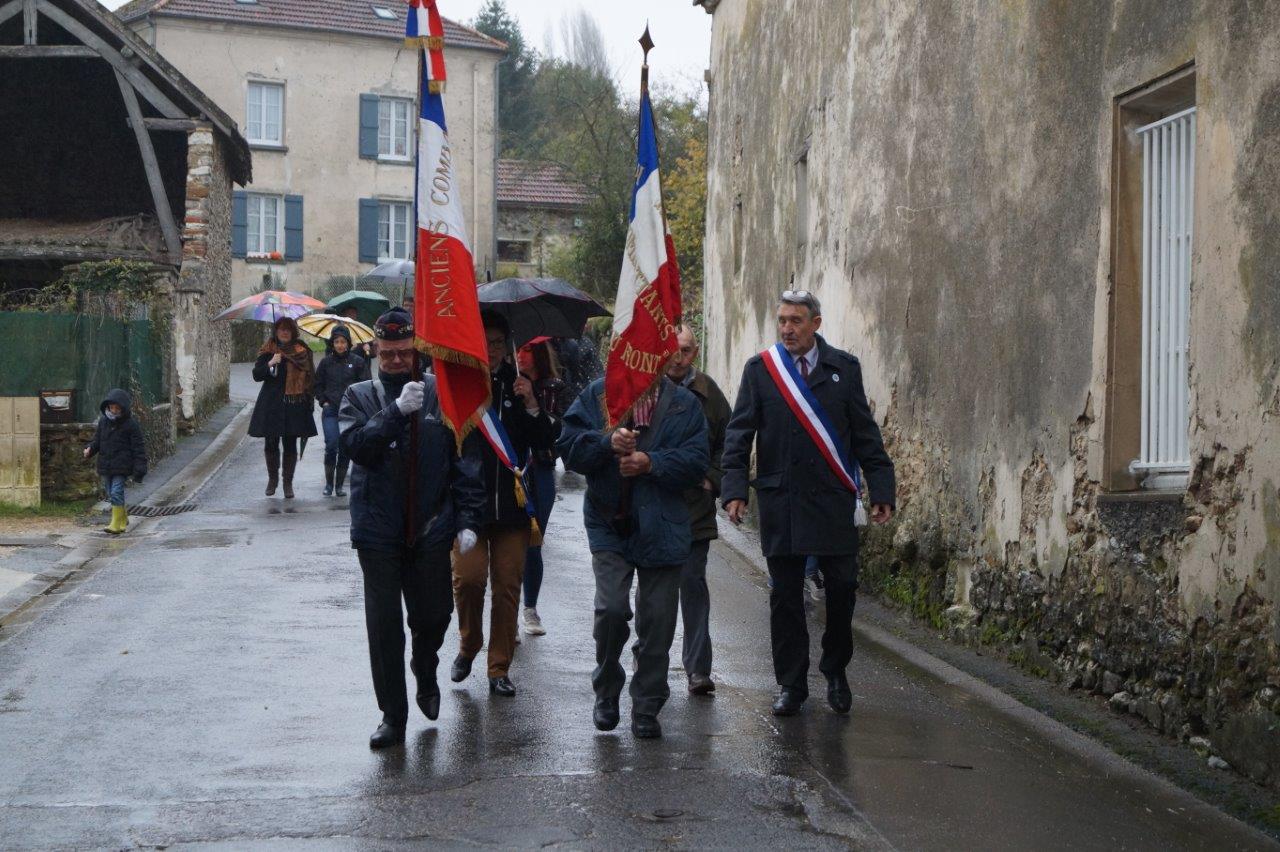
695,599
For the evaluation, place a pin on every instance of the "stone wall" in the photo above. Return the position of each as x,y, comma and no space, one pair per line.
64,473
202,348
545,229
941,175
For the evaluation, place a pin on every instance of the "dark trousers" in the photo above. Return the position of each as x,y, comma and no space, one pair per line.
787,627
332,446
656,603
544,499
695,610
423,577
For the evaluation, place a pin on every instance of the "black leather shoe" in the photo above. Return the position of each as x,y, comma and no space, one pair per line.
502,686
645,727
461,669
386,736
838,694
429,704
605,714
787,703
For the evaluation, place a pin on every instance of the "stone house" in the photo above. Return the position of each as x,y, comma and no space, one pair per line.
539,210
325,91
109,152
1049,232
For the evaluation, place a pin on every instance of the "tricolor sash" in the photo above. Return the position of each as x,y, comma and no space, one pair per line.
806,408
496,434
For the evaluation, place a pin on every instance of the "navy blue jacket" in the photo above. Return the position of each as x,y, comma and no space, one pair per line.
118,443
679,452
804,510
375,436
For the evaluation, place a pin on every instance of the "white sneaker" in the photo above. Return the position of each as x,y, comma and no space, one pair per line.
533,624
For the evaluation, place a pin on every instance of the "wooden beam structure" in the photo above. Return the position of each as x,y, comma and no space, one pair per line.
177,125
29,21
47,51
140,82
164,212
8,10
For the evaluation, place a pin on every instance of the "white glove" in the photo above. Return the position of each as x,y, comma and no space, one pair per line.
410,399
466,540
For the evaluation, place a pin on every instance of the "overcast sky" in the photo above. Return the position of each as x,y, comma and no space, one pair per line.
681,31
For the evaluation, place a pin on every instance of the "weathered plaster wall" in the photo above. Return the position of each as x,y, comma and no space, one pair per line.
324,75
958,161
202,348
544,229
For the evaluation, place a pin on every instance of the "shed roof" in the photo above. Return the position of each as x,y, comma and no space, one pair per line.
343,16
524,183
185,96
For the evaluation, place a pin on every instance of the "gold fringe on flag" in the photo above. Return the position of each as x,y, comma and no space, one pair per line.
436,87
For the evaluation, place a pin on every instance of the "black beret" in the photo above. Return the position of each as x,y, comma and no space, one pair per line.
395,324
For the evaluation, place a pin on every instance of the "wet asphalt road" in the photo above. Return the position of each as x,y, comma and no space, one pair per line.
208,685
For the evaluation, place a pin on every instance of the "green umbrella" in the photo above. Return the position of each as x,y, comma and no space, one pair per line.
368,304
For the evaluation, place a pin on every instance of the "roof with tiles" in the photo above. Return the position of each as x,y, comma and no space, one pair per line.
528,184
345,16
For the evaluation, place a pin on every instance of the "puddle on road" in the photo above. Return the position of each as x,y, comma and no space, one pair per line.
195,539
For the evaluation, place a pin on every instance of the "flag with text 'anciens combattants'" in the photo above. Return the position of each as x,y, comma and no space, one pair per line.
648,303
446,309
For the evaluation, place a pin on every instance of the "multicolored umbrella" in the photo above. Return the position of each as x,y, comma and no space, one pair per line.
271,305
322,326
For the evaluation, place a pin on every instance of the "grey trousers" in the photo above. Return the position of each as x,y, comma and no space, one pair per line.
656,601
695,610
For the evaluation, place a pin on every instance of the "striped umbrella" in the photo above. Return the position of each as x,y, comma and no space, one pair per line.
322,326
271,305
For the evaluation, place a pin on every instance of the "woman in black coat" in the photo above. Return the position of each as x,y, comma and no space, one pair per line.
283,412
339,369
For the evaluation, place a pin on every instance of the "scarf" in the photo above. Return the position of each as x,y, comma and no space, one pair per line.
299,374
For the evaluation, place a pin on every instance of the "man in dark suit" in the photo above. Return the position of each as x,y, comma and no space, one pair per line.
805,510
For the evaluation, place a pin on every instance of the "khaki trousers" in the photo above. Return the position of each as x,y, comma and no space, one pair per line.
498,559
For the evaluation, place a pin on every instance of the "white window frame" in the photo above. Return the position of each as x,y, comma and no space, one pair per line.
395,128
256,231
1168,195
393,216
256,117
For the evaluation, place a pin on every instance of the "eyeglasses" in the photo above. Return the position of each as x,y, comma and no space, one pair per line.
796,295
396,354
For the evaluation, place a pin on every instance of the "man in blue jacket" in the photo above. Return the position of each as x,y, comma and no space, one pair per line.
637,520
403,555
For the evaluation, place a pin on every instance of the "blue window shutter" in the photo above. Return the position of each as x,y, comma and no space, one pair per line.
239,224
368,230
293,227
369,127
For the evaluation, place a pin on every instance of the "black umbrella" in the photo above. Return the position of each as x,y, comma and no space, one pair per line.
540,307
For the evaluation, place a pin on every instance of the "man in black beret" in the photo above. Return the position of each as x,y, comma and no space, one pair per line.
405,553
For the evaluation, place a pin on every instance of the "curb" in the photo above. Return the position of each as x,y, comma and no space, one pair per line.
182,484
746,547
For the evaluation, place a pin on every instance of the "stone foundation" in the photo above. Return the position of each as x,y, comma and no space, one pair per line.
64,472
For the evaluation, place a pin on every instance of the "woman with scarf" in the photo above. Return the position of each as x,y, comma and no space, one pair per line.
283,411
338,370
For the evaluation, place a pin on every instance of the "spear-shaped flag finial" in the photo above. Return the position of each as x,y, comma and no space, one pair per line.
646,44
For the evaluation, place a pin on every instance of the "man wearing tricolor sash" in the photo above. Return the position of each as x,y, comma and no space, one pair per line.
801,404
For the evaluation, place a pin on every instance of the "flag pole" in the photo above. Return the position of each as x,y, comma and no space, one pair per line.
411,491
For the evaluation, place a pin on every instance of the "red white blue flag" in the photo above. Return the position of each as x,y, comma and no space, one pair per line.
424,29
648,302
446,308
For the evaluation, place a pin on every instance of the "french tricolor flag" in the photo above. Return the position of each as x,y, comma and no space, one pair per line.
446,308
424,29
648,301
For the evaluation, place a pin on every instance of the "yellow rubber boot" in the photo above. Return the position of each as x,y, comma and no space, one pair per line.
119,520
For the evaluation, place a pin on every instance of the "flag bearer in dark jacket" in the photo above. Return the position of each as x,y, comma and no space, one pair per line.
498,558
661,452
405,553
121,453
805,510
695,598
339,369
